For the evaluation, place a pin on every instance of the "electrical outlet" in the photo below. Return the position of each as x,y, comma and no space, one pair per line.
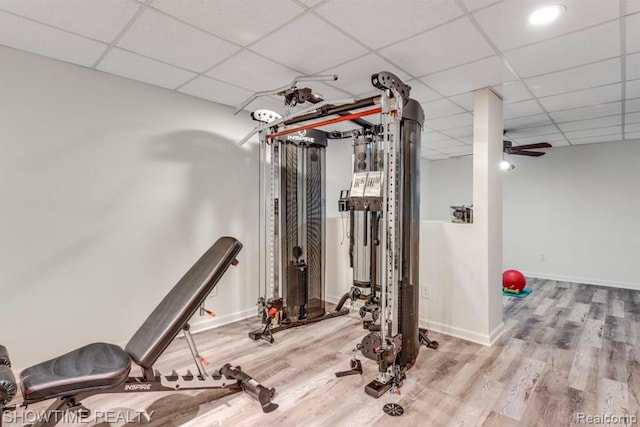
543,257
425,291
214,292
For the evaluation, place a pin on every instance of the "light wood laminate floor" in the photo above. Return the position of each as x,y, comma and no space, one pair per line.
568,349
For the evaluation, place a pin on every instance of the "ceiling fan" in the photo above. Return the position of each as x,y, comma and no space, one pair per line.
523,150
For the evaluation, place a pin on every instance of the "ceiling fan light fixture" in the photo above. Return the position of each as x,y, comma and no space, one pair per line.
546,14
506,166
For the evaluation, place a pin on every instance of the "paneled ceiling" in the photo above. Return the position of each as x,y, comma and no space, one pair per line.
574,81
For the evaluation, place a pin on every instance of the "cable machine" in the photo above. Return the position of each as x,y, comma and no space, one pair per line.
383,204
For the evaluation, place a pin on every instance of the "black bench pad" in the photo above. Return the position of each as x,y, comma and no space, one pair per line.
92,367
182,302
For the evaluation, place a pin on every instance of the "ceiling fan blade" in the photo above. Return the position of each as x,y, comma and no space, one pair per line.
538,145
528,153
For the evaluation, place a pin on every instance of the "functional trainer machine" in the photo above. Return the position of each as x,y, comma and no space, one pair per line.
104,368
383,205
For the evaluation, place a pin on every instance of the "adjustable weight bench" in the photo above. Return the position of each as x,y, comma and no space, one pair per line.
104,368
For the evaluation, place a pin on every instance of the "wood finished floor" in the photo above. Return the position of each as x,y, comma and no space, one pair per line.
568,348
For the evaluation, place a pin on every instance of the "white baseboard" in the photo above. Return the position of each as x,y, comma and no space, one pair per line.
216,322
465,334
585,280
333,299
496,334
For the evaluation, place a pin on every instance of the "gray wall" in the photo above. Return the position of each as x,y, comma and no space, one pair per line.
111,191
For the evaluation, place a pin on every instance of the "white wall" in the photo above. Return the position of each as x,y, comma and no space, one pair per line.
448,183
111,190
339,165
578,206
338,273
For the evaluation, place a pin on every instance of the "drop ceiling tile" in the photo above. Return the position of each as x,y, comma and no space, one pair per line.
589,112
355,76
429,152
632,118
598,95
466,78
324,46
328,92
160,37
400,19
597,139
239,21
478,4
421,93
43,40
253,72
599,122
598,74
100,20
452,44
368,94
520,109
437,157
450,122
507,24
557,144
136,67
551,138
267,103
633,33
632,127
633,6
462,132
591,45
532,131
513,92
632,105
633,89
632,136
213,90
310,3
439,145
527,121
457,149
609,130
465,100
440,108
633,66
433,138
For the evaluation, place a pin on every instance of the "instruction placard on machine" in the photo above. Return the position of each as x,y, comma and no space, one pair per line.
366,184
358,184
374,185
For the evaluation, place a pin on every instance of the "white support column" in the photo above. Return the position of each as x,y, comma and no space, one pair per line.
487,202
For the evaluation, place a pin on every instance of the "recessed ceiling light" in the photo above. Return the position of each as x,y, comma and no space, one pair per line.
546,14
